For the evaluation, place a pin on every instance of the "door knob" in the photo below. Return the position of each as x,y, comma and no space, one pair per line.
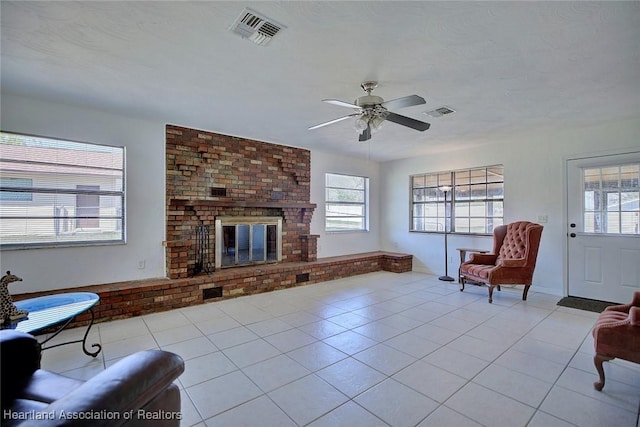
572,234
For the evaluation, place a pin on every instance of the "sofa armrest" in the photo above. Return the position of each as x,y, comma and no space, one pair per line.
124,387
20,355
484,259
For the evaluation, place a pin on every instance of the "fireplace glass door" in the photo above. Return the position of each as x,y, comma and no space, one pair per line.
246,242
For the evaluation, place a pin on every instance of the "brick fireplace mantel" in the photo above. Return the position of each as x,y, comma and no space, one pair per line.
240,204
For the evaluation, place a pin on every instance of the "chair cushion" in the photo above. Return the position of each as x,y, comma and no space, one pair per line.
21,408
47,387
478,270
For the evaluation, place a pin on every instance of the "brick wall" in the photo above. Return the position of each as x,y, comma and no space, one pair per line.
211,175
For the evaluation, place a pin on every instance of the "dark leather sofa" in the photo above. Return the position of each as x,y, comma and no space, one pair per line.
139,390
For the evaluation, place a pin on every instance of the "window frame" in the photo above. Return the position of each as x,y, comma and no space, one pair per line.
446,210
50,187
364,204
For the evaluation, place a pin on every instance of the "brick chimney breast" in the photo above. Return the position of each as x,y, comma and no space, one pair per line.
258,178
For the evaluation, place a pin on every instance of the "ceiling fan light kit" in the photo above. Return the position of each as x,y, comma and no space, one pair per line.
372,111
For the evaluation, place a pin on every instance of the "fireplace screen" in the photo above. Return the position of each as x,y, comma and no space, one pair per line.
248,240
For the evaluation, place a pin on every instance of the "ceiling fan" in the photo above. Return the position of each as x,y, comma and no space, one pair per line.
371,111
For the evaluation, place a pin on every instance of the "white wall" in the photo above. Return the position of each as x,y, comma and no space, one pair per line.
44,269
534,185
342,243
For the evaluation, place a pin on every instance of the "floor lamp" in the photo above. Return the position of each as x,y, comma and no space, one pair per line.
446,278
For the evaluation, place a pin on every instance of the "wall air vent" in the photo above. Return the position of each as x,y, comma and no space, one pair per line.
256,27
218,191
439,112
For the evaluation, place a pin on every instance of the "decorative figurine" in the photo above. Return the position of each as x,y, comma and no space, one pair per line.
8,311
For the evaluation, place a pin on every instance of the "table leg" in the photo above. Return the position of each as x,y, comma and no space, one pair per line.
83,340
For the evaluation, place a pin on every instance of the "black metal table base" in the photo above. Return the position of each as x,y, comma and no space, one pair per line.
83,340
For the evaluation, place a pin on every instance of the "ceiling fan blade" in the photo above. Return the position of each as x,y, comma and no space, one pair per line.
365,135
330,122
407,101
341,103
407,121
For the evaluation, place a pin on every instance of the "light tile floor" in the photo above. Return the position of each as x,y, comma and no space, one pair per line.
375,350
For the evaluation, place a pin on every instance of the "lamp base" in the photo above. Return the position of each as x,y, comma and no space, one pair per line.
446,278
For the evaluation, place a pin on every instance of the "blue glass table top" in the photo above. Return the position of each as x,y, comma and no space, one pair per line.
51,310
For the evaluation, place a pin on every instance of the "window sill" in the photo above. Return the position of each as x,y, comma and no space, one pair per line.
21,247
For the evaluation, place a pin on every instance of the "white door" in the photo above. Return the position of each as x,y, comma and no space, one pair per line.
603,195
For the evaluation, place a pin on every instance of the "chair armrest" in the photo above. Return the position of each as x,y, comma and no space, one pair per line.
485,259
514,262
126,386
19,349
634,316
624,308
19,359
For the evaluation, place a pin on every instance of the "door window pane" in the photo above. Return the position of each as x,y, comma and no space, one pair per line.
611,199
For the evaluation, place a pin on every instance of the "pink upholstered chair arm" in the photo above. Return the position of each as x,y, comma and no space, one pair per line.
516,262
635,302
610,322
634,316
510,275
485,259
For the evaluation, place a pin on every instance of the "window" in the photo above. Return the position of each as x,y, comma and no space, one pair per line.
55,192
612,199
346,202
474,203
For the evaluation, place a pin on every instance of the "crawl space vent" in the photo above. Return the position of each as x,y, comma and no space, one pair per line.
256,27
439,112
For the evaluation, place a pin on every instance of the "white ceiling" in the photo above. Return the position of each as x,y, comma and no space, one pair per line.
503,66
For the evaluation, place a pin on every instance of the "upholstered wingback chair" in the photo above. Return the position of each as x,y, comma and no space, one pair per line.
511,262
616,334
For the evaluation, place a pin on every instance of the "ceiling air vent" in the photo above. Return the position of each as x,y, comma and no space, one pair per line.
256,27
439,112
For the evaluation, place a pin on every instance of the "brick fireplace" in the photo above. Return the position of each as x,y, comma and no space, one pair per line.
211,176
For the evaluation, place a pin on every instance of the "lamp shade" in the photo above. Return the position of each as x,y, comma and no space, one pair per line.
360,124
376,123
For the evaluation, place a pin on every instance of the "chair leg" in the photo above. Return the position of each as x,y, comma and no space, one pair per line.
491,293
461,284
597,360
525,292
